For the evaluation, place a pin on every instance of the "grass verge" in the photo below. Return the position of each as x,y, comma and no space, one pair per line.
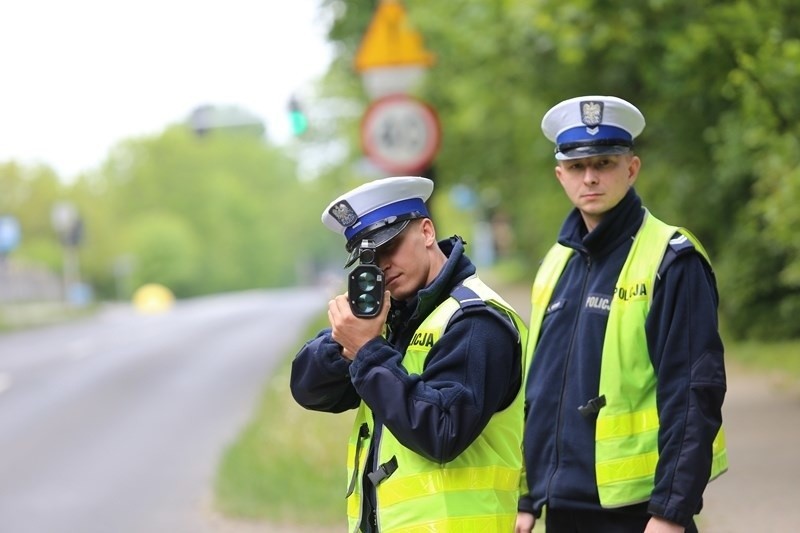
288,464
19,316
780,358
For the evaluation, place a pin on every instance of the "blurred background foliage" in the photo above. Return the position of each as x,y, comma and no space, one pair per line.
716,81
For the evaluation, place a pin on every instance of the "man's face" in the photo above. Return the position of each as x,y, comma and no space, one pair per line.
405,260
596,184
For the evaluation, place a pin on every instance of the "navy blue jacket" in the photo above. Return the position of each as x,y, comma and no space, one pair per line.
685,349
473,371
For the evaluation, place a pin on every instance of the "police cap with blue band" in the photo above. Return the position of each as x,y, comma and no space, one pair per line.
587,126
378,210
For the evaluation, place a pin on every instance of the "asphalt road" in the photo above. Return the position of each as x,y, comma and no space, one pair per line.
760,493
115,424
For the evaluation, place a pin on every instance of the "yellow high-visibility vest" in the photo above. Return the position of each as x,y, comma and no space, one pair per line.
626,435
475,492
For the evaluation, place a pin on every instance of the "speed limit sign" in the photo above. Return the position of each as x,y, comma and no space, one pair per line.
400,133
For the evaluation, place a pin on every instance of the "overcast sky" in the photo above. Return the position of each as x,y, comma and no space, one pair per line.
78,76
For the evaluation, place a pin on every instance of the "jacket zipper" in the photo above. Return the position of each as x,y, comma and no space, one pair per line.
559,419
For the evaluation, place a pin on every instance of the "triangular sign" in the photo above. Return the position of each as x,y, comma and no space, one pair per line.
390,40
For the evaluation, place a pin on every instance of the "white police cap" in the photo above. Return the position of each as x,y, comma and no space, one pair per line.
378,210
586,126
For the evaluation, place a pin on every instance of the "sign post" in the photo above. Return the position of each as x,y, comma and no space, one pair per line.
68,224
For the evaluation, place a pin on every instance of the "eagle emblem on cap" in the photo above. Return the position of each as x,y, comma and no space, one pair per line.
592,113
343,213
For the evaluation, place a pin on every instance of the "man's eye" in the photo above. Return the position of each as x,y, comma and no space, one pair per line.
388,247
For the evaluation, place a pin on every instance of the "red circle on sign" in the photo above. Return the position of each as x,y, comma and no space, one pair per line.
400,133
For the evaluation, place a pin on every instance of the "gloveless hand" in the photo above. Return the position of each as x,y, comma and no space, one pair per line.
657,524
525,523
350,331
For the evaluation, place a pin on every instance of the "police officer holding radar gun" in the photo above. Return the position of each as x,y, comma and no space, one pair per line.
627,378
433,365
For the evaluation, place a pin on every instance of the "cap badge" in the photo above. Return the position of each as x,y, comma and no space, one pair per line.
343,213
592,115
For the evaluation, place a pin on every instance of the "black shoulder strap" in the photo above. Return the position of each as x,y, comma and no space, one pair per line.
466,297
679,245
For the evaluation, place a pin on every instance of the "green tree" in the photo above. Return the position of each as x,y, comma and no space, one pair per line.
166,251
29,194
231,211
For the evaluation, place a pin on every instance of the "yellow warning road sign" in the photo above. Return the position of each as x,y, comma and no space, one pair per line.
390,40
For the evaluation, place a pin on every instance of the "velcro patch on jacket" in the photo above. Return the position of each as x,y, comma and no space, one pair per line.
555,306
598,303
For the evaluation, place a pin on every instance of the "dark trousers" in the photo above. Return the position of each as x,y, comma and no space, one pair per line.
570,521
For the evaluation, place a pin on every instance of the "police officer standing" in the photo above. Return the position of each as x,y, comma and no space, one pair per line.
435,377
627,377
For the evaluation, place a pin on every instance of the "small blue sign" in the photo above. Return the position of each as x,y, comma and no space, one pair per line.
464,197
9,233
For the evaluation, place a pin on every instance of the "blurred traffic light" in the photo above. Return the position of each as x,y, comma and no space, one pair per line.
297,117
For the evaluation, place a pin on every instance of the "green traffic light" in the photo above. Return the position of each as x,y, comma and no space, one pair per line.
299,122
297,118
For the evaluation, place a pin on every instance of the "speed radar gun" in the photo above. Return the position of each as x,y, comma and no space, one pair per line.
365,284
370,216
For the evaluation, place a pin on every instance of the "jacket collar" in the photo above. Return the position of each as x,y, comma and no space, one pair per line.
456,269
620,223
